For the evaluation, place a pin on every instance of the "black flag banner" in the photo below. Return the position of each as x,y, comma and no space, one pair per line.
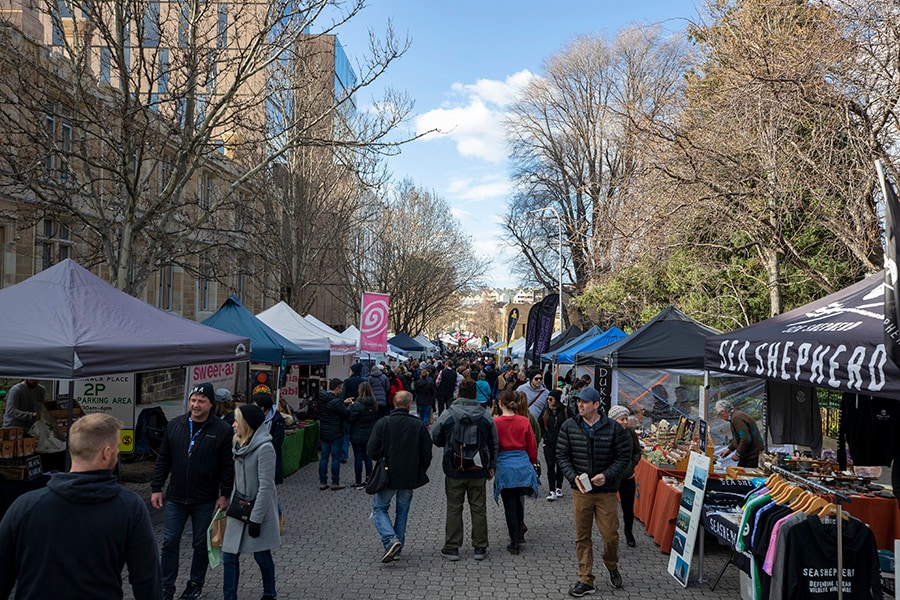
546,319
891,251
531,328
511,323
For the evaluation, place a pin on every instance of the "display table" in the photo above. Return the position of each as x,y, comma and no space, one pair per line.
880,514
300,447
647,478
665,512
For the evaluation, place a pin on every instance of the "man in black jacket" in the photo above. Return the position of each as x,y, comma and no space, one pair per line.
403,439
196,457
593,447
333,413
446,387
72,538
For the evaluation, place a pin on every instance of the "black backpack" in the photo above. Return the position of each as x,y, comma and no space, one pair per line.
468,452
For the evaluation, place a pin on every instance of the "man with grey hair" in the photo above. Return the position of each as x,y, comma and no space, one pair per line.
84,513
746,440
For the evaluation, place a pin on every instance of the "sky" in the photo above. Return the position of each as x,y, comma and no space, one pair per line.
466,62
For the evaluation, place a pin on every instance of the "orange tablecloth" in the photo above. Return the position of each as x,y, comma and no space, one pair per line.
881,515
647,477
665,512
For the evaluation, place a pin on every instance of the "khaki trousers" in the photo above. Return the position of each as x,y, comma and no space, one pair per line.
602,508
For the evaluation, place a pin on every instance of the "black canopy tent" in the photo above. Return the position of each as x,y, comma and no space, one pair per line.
670,340
404,342
835,342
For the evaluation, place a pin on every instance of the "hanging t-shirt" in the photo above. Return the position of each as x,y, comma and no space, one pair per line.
794,416
869,426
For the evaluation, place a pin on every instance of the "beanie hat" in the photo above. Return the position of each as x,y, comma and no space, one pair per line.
204,389
253,416
356,368
617,411
557,394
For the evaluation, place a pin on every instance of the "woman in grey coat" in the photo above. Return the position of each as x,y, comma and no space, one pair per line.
254,478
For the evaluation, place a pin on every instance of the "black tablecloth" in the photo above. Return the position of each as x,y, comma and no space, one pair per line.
725,530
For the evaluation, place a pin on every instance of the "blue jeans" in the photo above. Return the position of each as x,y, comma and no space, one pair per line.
232,573
381,502
425,414
360,457
174,519
333,450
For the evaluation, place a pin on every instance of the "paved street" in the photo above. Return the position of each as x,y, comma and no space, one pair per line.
330,550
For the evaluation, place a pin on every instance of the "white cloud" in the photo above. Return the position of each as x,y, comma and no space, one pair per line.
473,118
460,214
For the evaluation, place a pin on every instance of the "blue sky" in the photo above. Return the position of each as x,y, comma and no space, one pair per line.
466,62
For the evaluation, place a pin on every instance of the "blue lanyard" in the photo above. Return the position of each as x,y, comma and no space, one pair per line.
193,436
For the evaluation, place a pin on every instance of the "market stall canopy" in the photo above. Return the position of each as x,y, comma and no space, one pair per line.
552,355
613,334
569,335
286,321
429,347
268,345
836,342
670,340
404,342
67,323
340,344
352,333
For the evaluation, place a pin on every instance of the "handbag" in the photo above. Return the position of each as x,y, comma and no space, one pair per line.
215,534
240,508
378,479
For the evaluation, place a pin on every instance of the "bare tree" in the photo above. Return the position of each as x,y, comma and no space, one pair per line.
150,127
575,147
421,257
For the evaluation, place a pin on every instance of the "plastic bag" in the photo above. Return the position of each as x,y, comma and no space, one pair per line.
47,442
215,535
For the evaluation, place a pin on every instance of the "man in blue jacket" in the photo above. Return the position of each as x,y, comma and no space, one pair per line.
196,457
73,538
597,449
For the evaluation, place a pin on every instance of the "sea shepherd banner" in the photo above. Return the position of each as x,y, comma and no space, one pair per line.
540,327
891,251
531,328
835,342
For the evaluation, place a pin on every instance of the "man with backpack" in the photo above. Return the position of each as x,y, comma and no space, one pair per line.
469,438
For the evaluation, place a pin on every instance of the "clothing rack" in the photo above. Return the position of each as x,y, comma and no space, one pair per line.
838,498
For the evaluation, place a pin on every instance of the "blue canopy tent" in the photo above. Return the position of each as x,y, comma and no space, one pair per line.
552,355
266,345
611,335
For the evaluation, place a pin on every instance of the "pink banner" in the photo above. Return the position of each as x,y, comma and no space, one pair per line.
373,327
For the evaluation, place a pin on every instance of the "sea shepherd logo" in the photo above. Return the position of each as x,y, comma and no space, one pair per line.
833,363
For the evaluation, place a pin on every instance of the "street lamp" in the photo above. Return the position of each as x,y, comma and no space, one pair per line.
559,250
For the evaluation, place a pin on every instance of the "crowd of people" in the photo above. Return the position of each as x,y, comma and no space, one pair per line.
487,420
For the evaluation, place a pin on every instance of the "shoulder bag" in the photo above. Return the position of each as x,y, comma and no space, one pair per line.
378,480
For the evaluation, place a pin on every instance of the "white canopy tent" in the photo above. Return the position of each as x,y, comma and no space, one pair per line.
340,343
430,349
285,320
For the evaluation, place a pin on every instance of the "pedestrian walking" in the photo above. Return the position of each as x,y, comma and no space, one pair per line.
333,413
363,414
627,487
403,440
550,421
257,530
593,452
195,456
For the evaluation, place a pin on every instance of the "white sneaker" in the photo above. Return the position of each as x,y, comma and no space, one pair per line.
551,496
558,493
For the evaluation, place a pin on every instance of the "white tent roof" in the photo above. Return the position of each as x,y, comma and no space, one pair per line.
285,320
340,343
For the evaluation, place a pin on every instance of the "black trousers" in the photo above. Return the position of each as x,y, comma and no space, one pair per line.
626,496
443,402
554,473
514,511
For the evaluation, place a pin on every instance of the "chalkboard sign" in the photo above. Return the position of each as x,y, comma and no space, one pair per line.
603,384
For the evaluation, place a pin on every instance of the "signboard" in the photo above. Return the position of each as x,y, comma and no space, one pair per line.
603,384
688,521
113,395
373,328
290,393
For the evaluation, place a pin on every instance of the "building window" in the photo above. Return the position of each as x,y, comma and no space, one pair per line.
165,173
151,25
162,85
204,280
55,242
65,145
165,294
206,191
50,126
184,23
105,65
60,13
222,26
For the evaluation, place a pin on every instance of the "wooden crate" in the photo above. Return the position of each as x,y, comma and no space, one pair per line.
21,469
57,418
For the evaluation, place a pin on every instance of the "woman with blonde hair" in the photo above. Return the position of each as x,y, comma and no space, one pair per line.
516,476
254,494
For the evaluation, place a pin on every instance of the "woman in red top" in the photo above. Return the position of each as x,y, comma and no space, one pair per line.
515,476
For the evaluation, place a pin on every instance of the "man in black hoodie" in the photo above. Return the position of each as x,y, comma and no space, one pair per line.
196,452
72,538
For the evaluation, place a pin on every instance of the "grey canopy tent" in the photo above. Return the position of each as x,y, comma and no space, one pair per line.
67,323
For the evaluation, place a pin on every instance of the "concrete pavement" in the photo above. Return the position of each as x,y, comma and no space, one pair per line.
330,550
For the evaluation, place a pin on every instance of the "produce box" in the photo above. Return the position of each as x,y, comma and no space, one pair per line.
58,418
21,469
